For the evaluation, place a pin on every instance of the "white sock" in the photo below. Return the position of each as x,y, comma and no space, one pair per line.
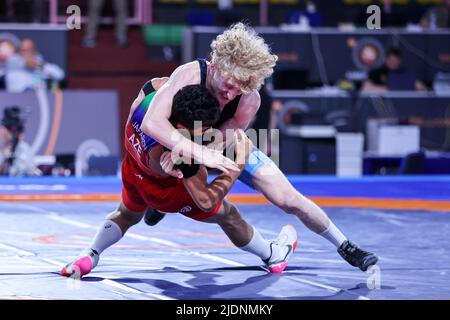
258,246
334,235
108,234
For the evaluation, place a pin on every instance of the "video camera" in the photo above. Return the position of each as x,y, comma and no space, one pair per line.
12,119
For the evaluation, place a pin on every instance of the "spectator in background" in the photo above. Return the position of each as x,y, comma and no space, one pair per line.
437,17
390,15
7,49
227,16
39,11
16,157
391,75
3,17
309,15
95,8
27,69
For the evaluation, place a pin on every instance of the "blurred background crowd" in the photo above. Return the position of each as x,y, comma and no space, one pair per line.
348,100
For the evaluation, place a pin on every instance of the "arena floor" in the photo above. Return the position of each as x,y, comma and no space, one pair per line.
44,224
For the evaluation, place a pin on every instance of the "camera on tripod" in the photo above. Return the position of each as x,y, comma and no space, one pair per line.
12,120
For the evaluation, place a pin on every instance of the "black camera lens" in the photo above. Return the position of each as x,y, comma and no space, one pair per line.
12,120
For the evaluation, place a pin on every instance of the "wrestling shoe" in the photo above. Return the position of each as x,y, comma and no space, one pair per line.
356,256
84,264
281,249
153,216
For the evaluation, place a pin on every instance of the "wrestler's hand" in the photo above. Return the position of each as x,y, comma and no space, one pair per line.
214,159
243,147
167,165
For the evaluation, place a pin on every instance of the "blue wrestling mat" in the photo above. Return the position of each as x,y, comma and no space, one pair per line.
184,259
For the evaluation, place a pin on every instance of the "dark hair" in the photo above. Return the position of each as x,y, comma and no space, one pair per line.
394,51
194,103
12,119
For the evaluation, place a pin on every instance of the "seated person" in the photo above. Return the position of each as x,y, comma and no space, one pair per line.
437,17
7,49
380,79
27,69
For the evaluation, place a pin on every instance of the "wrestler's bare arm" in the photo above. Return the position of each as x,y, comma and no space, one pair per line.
156,121
245,113
207,196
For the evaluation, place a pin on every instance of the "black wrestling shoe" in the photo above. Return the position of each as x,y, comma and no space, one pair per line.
356,256
153,216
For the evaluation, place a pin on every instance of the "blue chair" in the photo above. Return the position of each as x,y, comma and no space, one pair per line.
315,19
201,19
413,163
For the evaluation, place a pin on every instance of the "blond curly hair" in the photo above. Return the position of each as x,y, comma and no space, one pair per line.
240,53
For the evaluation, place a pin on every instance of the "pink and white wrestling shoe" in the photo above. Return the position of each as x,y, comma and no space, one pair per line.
84,264
282,248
